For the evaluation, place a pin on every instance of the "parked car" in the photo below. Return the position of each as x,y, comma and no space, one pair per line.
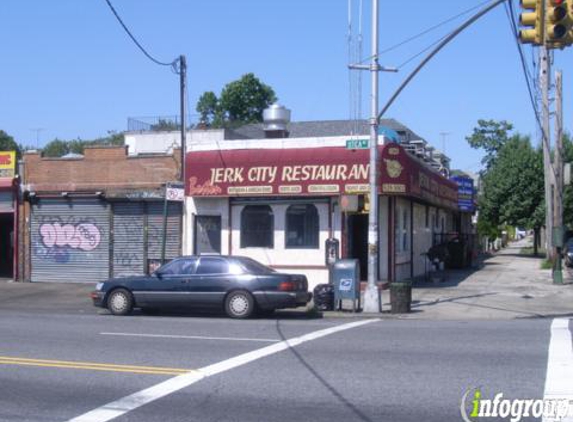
238,285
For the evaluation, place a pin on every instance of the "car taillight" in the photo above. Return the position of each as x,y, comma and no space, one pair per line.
287,286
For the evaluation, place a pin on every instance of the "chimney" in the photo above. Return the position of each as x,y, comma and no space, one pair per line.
275,119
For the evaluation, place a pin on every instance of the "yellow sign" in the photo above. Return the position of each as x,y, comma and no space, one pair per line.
7,163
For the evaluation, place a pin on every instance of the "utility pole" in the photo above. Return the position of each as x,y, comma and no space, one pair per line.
183,95
544,76
371,295
182,85
558,187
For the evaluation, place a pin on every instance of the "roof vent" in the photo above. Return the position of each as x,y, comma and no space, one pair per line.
276,118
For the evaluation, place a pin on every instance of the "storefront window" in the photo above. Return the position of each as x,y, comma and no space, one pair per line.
402,232
302,226
257,226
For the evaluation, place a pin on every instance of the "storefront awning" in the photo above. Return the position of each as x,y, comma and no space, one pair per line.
313,171
6,182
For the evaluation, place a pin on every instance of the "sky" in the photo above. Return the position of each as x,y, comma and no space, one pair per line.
68,70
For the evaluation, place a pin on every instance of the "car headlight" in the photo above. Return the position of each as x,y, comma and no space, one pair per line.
99,286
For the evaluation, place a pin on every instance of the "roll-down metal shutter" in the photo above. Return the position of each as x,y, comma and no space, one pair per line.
6,202
155,230
70,240
128,239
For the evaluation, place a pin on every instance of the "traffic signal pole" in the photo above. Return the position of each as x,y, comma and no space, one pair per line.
558,190
544,82
371,295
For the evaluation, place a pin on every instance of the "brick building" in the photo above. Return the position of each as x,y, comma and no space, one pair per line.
8,214
86,218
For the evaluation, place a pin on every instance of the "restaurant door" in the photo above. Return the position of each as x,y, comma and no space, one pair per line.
357,241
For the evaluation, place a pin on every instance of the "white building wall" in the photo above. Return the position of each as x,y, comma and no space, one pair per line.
152,142
206,206
422,239
403,255
285,259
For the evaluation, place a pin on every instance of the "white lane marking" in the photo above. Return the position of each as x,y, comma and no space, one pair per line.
558,383
265,340
120,407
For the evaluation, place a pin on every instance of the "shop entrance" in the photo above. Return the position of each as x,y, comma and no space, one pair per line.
357,241
7,245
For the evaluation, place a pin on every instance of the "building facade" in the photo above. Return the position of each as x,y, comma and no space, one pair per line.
91,217
292,200
8,215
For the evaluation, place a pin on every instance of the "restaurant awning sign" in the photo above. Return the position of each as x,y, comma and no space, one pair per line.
7,164
320,171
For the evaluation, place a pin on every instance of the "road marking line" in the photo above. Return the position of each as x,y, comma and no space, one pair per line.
558,383
122,406
265,340
47,363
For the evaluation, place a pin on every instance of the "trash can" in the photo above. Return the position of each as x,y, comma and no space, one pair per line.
401,297
346,280
323,296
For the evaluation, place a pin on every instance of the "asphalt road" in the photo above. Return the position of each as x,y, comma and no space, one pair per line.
59,361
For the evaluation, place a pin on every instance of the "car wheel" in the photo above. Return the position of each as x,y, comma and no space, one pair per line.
120,302
239,304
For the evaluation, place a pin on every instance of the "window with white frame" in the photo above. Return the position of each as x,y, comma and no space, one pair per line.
257,226
402,229
301,227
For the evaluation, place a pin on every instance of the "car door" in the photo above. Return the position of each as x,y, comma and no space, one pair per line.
212,278
169,287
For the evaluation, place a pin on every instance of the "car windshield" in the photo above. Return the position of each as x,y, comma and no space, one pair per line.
254,267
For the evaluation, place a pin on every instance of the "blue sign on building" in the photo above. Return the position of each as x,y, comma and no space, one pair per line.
465,193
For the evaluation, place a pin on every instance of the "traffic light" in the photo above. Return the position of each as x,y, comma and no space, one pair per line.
532,21
557,23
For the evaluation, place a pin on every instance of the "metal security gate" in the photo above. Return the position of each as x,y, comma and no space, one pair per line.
155,232
70,240
128,238
6,202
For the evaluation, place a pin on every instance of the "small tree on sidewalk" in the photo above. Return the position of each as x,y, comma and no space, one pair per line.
513,189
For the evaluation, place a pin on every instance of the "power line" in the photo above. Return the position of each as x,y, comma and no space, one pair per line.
421,52
434,27
149,56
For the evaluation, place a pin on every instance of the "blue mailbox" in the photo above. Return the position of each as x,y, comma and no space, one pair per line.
346,279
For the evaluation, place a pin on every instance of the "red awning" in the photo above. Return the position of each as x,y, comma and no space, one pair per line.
6,183
313,171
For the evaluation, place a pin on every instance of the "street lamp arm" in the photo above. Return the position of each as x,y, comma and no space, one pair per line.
442,44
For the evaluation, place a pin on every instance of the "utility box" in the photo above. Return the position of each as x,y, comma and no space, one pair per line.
346,280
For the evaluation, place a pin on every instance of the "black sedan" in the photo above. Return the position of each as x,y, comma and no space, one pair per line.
239,285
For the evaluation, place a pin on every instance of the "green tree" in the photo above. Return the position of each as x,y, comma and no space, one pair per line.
568,190
7,143
165,125
512,182
56,148
241,102
208,108
59,148
490,136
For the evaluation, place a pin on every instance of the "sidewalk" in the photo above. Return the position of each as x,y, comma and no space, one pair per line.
507,285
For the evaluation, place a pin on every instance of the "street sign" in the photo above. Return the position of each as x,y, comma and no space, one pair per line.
174,192
357,144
